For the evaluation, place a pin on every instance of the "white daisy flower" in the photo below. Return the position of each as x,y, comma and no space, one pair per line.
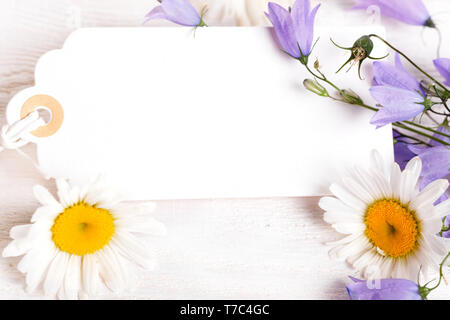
391,228
85,239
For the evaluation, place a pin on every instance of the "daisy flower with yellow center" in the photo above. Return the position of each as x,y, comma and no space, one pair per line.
391,228
86,239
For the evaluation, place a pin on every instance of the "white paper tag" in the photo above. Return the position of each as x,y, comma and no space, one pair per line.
166,115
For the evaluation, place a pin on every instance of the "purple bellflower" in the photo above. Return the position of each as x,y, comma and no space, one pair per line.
411,11
178,11
443,66
398,92
435,160
384,289
294,28
402,153
392,289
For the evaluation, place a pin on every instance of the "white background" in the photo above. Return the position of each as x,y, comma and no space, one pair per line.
264,248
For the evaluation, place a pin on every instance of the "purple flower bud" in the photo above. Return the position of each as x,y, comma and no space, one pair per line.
384,289
294,28
411,12
178,11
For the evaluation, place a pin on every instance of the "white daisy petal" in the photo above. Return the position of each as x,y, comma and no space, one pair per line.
386,267
90,274
118,260
72,278
431,226
442,209
43,196
64,193
364,260
21,244
436,245
110,271
366,180
47,212
334,217
74,195
446,243
413,268
344,240
347,197
40,259
55,276
345,251
377,162
336,205
349,227
20,232
358,190
415,167
373,271
429,194
382,183
400,270
427,255
127,246
408,179
396,174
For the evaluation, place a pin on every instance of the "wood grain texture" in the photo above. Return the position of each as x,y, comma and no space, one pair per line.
240,249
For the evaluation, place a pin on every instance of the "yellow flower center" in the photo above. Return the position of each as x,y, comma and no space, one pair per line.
392,227
82,229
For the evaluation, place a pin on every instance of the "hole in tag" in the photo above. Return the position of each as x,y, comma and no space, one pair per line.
45,114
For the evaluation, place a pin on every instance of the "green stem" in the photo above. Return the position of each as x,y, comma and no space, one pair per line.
412,138
410,61
403,126
441,275
426,128
323,78
397,124
444,228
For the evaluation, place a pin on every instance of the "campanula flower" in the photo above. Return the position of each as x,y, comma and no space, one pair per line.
443,66
178,11
384,289
398,104
411,11
402,153
398,92
294,28
395,75
435,159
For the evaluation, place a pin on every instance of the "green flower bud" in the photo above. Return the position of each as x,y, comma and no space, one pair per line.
361,50
351,97
316,87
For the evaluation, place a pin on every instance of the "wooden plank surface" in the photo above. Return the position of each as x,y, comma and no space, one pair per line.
242,249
